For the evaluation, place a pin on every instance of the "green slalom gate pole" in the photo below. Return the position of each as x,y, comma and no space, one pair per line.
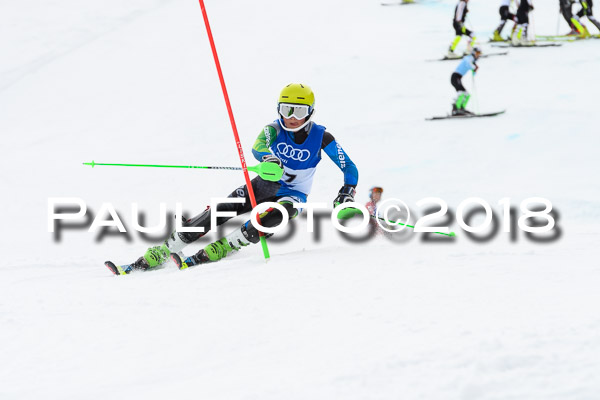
350,212
267,171
451,234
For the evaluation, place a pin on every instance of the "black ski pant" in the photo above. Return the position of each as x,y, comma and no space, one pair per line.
588,12
505,15
566,11
456,81
523,13
263,191
460,29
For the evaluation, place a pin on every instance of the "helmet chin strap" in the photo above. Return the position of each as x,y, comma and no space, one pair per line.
282,122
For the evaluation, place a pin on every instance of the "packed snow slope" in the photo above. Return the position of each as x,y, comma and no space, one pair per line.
135,82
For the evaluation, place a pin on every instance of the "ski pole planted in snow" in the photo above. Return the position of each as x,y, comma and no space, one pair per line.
267,171
475,94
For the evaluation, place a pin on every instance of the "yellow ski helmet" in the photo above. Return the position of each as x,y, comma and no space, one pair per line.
296,94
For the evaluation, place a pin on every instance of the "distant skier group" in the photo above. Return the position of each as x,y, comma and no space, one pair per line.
520,18
519,37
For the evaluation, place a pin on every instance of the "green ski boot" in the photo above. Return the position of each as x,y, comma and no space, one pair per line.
157,255
214,251
221,248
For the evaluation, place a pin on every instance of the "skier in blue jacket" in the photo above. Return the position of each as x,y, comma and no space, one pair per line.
468,63
295,143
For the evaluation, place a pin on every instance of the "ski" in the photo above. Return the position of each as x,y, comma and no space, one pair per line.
399,3
500,53
449,58
446,58
157,255
526,45
448,116
184,263
557,38
565,38
118,269
181,264
491,40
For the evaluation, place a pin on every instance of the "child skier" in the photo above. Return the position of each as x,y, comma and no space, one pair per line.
294,142
586,11
505,15
577,28
460,15
467,64
519,36
374,197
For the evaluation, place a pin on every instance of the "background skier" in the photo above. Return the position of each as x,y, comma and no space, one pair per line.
577,28
371,206
522,21
586,11
460,16
374,197
467,64
505,15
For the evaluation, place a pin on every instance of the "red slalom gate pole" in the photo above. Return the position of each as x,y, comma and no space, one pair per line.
233,126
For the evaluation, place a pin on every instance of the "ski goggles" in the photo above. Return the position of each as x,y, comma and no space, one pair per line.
376,190
298,111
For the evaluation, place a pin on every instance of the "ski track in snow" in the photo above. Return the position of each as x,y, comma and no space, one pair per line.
135,82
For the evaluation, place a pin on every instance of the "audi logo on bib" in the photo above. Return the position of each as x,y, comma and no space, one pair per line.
289,151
